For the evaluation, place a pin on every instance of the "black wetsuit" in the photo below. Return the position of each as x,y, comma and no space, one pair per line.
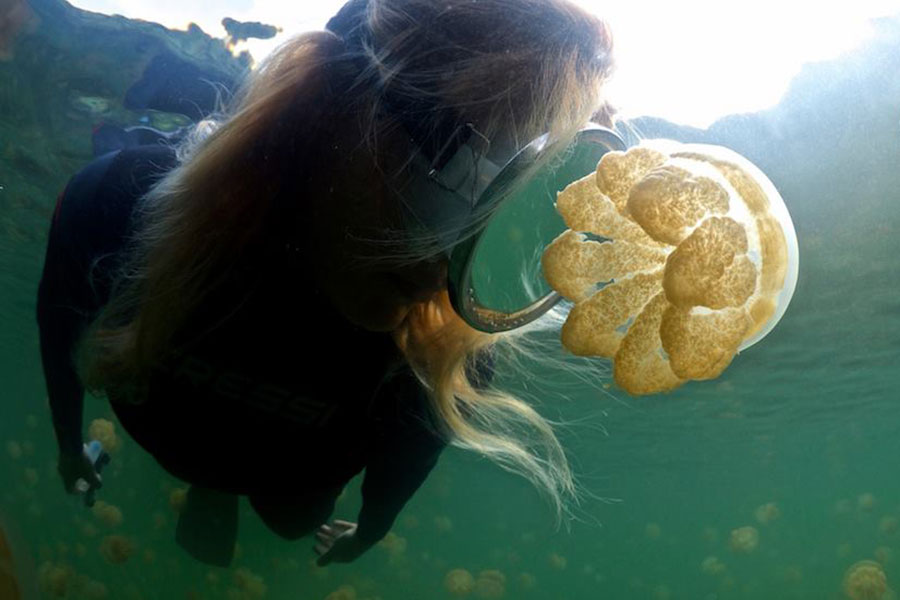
283,399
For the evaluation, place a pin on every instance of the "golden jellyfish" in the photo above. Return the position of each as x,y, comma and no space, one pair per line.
459,582
866,501
888,525
14,449
177,499
108,514
490,585
865,580
345,592
55,580
711,565
31,477
104,431
883,555
698,260
250,584
14,585
652,531
527,581
557,561
443,524
394,544
410,522
744,540
116,549
94,590
766,513
662,592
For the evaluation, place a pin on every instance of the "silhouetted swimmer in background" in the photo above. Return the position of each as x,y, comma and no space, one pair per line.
265,306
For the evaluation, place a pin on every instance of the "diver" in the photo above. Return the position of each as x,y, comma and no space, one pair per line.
265,304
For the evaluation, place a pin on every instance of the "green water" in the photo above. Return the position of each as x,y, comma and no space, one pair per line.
808,419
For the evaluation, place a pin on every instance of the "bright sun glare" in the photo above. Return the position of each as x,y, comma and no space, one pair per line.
691,62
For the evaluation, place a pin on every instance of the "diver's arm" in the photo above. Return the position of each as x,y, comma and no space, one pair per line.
390,481
405,451
59,327
61,318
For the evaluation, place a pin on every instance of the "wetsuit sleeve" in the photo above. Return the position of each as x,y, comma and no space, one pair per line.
405,452
66,302
60,322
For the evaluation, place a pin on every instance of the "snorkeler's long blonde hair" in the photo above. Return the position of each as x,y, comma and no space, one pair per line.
521,67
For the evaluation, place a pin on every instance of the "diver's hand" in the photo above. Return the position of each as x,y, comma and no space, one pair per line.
338,543
73,467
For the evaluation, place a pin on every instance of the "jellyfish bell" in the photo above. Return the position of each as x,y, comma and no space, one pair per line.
865,580
676,258
18,579
744,540
459,582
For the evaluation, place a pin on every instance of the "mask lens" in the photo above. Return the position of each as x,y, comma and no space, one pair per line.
496,280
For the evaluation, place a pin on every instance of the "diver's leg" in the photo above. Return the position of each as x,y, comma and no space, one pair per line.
293,516
207,525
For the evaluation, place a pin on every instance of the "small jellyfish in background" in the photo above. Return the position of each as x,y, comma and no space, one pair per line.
459,582
55,580
557,561
345,592
490,585
767,513
866,501
698,260
177,499
865,580
108,514
250,585
410,522
652,531
31,477
888,525
792,574
28,448
443,524
14,449
883,555
661,592
94,590
527,581
116,549
711,565
395,545
843,507
104,431
744,540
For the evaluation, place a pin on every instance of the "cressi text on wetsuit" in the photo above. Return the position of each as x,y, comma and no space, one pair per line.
279,395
